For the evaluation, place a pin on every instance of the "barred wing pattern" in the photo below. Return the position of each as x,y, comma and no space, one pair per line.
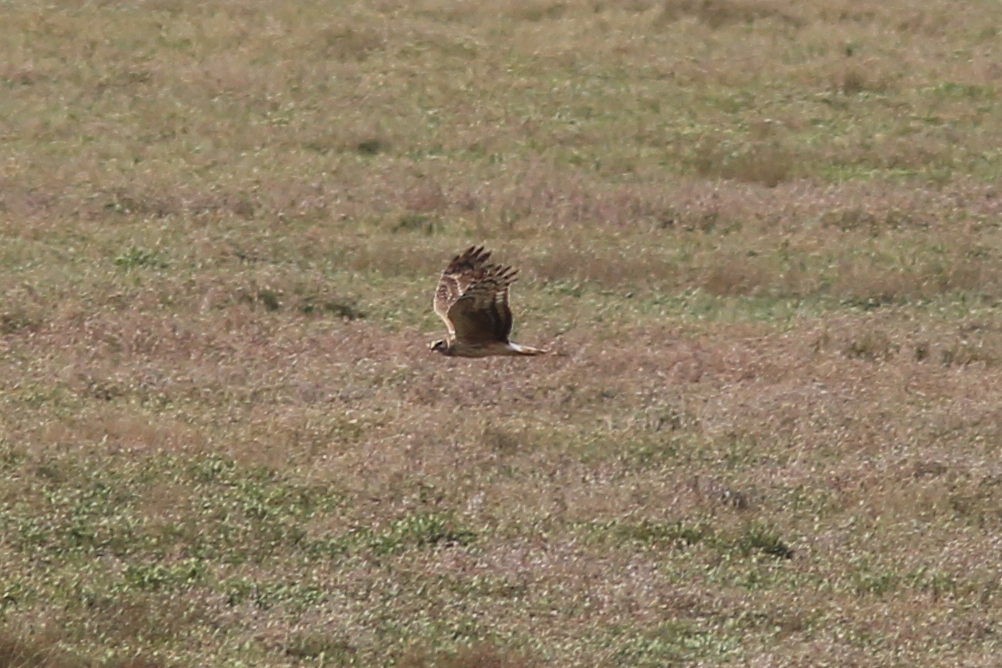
464,269
472,301
482,313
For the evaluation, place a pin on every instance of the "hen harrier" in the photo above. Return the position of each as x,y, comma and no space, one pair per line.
472,299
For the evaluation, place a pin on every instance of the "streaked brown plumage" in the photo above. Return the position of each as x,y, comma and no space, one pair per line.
472,300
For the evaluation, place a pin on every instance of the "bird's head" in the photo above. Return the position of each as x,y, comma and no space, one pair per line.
441,346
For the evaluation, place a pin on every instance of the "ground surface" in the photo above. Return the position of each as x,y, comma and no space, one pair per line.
765,239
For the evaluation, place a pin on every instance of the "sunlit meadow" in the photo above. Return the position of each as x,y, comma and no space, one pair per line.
762,239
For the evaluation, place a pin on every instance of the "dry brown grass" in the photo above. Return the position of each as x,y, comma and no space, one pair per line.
763,238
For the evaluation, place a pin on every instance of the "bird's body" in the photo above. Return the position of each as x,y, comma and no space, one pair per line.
472,300
498,348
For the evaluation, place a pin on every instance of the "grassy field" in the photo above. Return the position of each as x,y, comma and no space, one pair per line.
765,238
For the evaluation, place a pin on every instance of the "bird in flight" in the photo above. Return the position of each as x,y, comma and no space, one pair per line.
472,300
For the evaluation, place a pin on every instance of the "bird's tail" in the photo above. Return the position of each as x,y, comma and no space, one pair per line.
519,349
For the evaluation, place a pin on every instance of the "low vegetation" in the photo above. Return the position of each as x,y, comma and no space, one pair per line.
762,238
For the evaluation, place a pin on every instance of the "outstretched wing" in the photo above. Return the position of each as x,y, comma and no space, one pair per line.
481,312
462,272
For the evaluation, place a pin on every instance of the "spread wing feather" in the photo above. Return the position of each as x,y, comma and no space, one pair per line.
472,297
458,276
481,313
